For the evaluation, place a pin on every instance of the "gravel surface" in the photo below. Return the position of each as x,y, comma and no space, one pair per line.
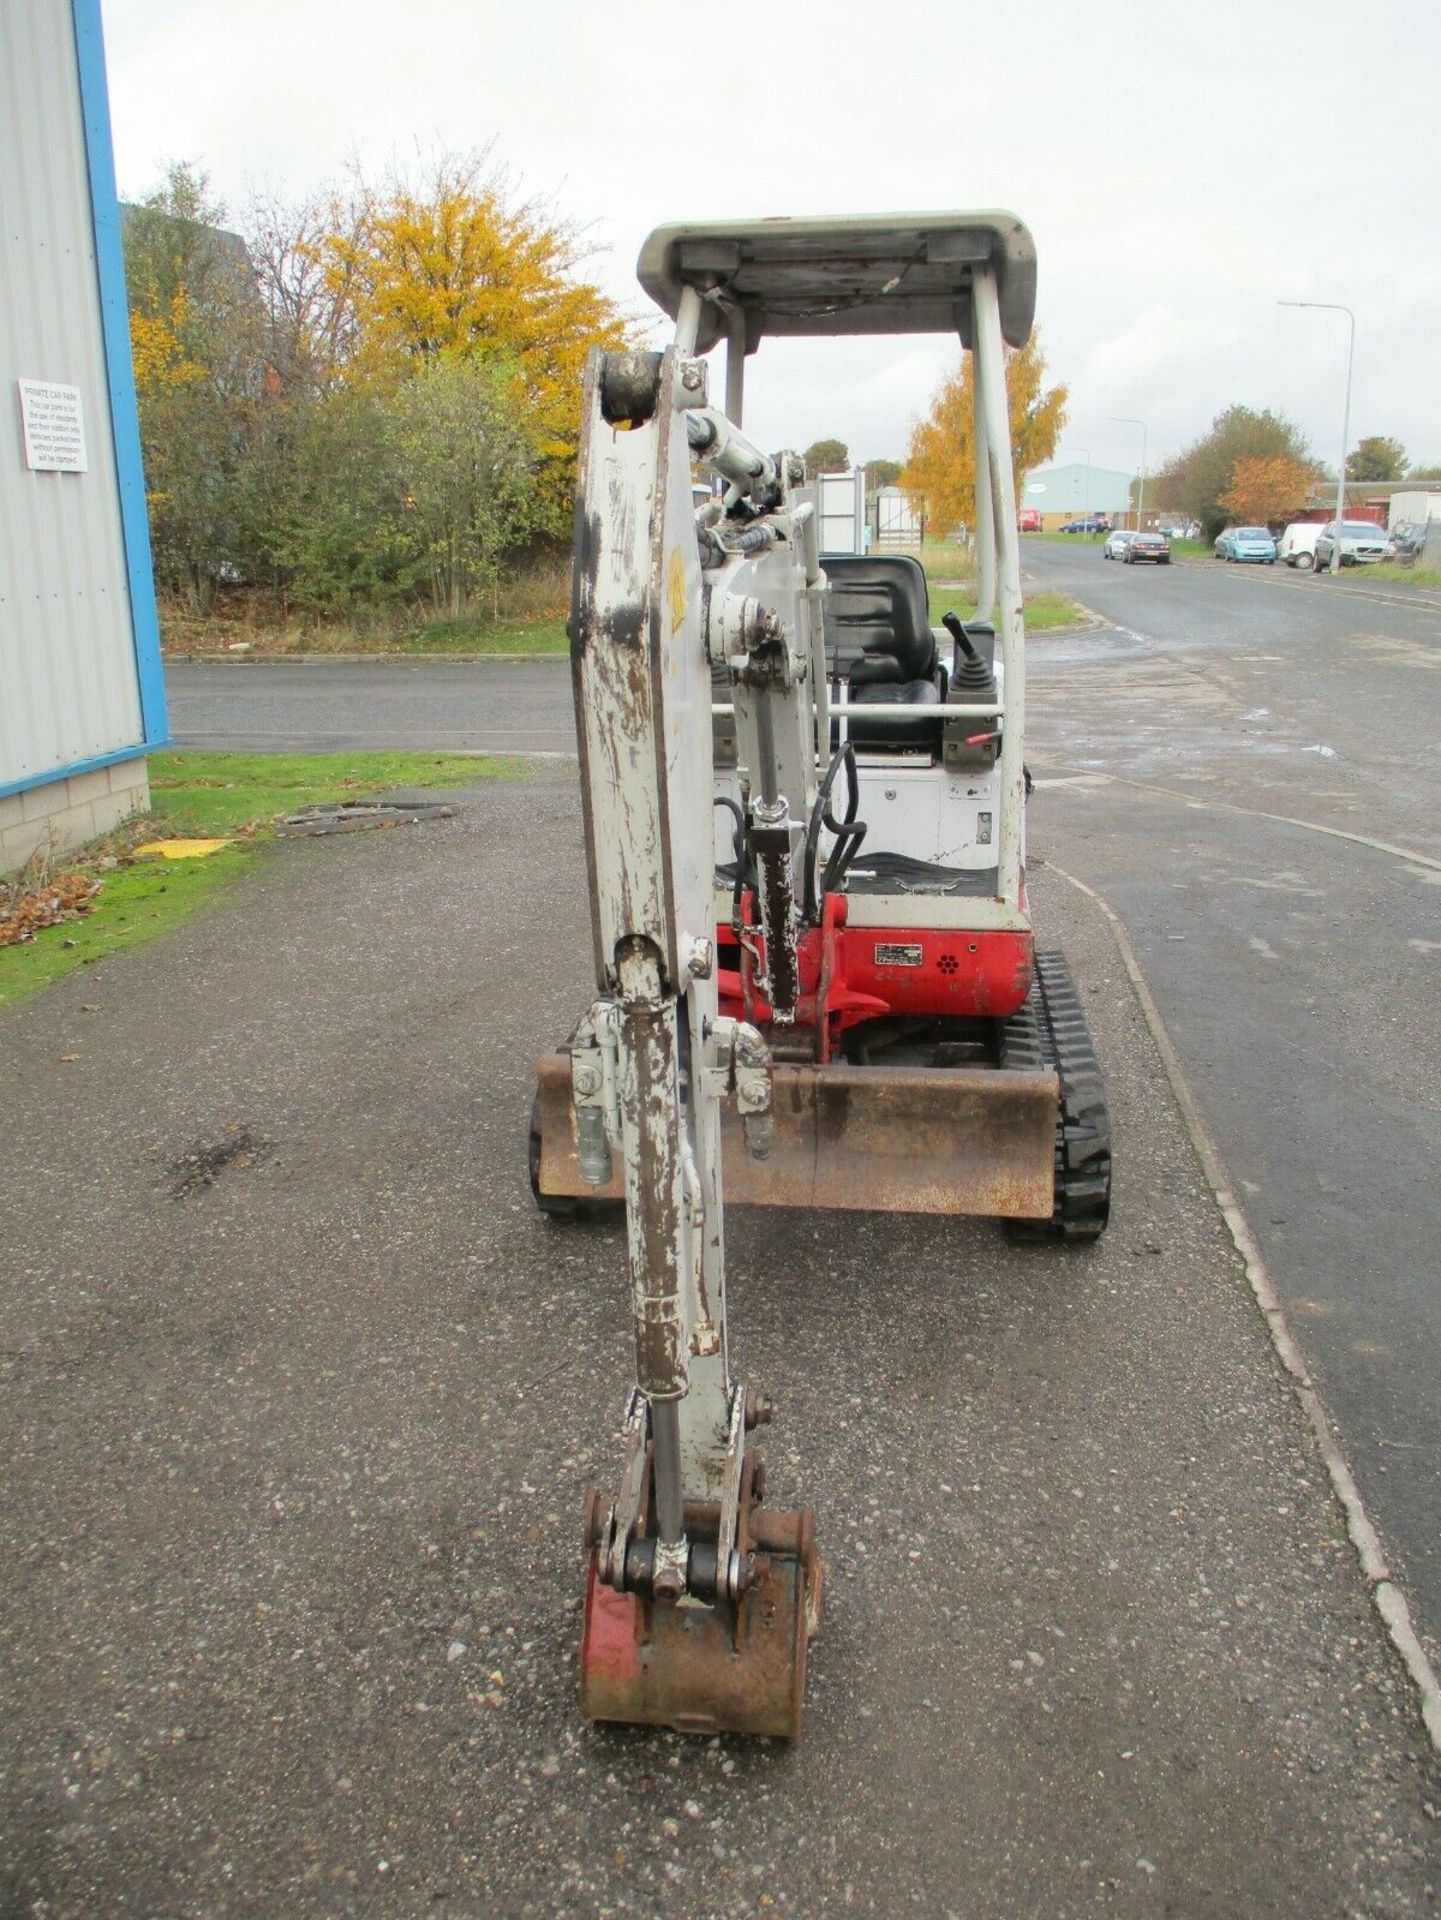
301,1398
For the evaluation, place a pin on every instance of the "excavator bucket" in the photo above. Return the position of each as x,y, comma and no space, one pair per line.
731,1668
969,1140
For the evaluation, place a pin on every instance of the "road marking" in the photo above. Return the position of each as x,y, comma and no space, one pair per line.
1386,1596
1284,819
1282,880
1264,948
1422,599
1392,651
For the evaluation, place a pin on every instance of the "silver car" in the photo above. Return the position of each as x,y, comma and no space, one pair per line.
1362,542
1116,544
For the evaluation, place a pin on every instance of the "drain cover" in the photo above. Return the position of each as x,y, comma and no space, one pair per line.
359,816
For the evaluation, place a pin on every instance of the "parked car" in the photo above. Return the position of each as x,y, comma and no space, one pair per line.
1362,542
1148,545
1297,545
1410,541
1246,543
1091,523
1117,543
1028,520
1181,530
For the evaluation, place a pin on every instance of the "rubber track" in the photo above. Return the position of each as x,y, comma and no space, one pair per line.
1051,1031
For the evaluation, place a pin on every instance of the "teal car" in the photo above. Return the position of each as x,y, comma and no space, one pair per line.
1246,543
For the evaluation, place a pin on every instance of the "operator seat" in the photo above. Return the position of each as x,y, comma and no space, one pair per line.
879,642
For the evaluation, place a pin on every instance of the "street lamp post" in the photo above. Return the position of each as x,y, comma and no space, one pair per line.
1083,450
1334,306
1122,420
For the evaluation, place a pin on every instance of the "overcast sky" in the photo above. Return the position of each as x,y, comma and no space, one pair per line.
1181,166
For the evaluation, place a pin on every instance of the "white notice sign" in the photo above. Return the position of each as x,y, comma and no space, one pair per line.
54,427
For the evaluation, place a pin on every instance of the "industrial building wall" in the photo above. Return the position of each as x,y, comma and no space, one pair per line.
80,683
1061,492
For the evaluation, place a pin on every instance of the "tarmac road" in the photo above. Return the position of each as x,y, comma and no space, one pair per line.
323,706
1279,680
1297,968
1179,751
300,1396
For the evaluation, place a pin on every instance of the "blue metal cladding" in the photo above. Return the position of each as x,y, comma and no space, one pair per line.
120,373
72,767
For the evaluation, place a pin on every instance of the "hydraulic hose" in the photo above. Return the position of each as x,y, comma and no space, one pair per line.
849,833
745,868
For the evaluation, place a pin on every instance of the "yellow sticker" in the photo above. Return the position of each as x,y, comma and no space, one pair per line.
675,588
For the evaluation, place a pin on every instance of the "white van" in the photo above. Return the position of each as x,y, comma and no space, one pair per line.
1297,545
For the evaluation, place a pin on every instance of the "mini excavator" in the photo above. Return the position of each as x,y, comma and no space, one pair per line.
805,833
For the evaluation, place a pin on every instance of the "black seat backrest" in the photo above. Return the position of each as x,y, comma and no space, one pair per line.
877,619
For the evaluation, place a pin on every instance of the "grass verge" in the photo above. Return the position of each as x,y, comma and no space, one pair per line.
205,795
1393,570
447,639
951,583
219,793
1046,611
505,636
526,614
134,905
946,560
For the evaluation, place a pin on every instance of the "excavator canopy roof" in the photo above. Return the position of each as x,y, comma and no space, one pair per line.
891,273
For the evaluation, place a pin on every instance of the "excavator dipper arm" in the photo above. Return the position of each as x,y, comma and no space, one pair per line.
699,1601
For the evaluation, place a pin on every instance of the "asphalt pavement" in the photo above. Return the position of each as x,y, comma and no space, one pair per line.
1243,762
301,1397
1249,766
322,706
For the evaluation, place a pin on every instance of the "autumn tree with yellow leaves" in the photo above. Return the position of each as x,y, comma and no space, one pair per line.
940,457
449,271
374,394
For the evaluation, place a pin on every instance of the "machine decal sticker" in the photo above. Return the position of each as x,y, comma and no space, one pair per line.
675,589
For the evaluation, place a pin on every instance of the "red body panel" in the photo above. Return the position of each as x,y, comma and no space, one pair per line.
849,974
958,973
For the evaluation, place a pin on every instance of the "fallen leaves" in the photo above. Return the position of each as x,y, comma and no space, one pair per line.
39,898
